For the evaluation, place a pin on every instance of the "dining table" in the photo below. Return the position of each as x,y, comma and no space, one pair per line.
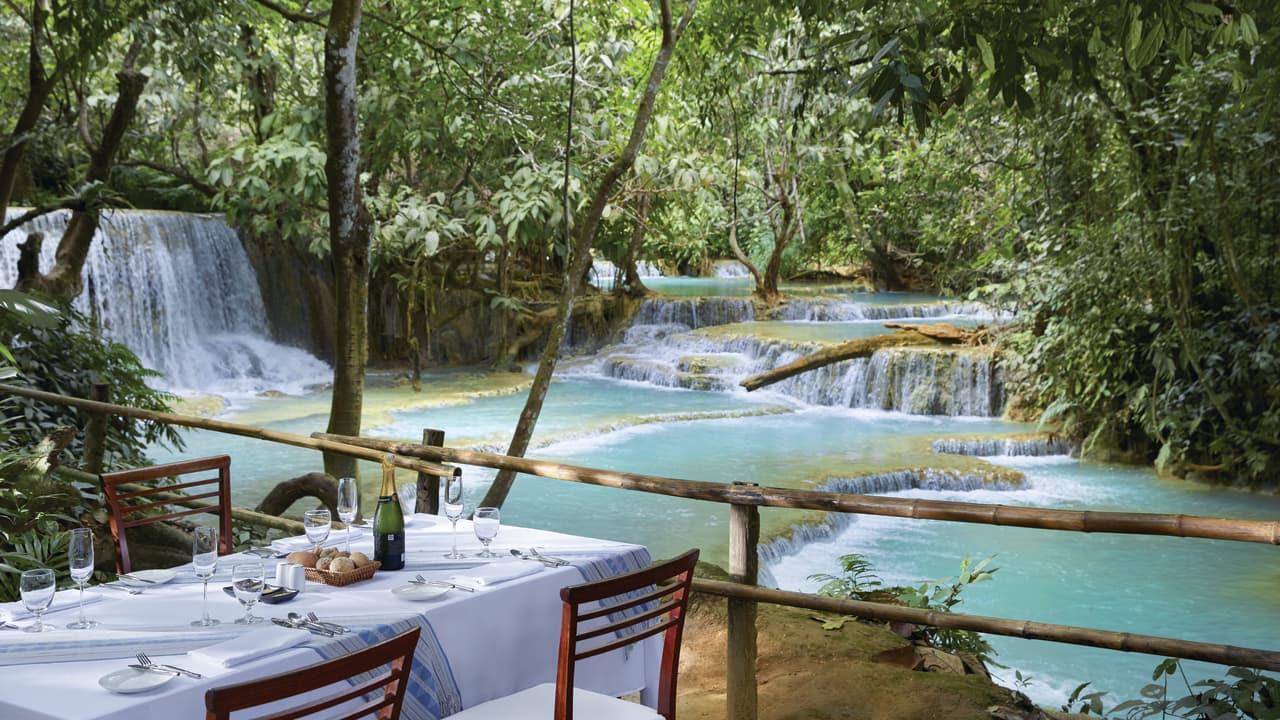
500,637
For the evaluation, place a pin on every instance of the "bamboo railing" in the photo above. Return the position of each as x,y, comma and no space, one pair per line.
745,499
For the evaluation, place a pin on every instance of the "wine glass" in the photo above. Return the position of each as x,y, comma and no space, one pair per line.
348,503
486,523
36,587
80,553
247,579
204,559
453,508
316,524
408,495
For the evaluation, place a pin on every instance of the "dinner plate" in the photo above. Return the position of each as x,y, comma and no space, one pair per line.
271,594
419,592
143,578
132,680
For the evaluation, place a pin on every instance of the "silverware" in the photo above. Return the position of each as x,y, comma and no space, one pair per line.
298,622
154,668
7,624
264,552
529,556
135,578
441,583
559,561
332,626
113,586
146,662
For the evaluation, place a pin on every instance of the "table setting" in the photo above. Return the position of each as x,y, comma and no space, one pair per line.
497,601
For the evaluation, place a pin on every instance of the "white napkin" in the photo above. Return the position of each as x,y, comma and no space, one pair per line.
494,573
62,600
300,542
252,645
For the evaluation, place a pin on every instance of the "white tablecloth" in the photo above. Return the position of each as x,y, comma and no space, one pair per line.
497,640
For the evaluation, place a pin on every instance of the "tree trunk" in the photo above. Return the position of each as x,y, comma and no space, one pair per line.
632,283
64,280
348,229
581,251
733,200
848,350
38,88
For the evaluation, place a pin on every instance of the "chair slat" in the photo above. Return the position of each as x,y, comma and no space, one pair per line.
629,639
164,488
660,591
627,622
207,507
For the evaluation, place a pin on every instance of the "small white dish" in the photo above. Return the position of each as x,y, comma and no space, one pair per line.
143,578
419,592
127,681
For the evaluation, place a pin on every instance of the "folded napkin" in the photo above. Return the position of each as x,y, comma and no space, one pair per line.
62,600
494,573
300,542
259,642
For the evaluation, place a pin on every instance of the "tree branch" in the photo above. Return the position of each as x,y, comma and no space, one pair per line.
294,15
178,172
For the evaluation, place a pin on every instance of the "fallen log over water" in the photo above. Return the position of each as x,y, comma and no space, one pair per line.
848,350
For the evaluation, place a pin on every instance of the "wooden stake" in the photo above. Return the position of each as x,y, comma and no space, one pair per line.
744,568
429,485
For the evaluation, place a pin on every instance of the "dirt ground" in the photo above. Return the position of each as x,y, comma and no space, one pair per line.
807,673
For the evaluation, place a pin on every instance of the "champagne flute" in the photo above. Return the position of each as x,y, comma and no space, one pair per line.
486,522
453,508
316,523
247,580
36,587
80,554
204,559
348,503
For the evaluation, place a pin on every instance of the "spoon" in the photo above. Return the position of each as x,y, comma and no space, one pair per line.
332,626
558,561
298,621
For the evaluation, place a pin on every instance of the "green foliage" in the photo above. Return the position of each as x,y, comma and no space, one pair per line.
34,549
69,359
1251,695
1089,703
943,595
856,580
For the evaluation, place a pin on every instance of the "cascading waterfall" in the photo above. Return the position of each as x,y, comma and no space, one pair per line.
987,447
878,483
694,313
728,269
839,309
179,291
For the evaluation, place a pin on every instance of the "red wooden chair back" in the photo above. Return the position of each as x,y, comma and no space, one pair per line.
665,585
131,507
396,652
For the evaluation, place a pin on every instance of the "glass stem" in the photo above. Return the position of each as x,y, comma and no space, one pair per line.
455,538
204,601
82,620
348,537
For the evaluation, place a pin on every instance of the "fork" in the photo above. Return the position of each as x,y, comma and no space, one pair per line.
333,626
145,661
442,583
113,586
558,561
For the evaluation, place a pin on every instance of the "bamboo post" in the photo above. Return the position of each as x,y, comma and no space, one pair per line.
95,430
429,485
744,568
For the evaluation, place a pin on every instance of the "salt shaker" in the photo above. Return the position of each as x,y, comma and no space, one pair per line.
297,577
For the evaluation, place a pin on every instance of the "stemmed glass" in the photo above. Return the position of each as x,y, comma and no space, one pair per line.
453,508
486,522
204,559
408,494
316,523
36,587
247,579
80,553
348,503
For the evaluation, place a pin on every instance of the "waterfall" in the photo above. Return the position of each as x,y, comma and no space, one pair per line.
984,447
840,309
178,290
728,269
695,312
878,483
603,272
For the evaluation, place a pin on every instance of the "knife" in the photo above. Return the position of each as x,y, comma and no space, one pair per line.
154,668
135,578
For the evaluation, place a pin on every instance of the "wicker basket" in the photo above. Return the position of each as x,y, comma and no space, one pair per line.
346,578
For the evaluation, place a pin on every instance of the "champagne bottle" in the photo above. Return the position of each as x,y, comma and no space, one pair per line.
388,522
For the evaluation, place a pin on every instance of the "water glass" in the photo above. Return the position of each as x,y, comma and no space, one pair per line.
486,522
348,504
453,507
247,580
36,587
204,560
316,523
80,555
408,494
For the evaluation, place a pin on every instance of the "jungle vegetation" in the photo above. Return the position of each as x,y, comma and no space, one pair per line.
1103,167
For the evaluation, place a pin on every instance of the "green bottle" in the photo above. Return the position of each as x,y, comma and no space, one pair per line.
388,522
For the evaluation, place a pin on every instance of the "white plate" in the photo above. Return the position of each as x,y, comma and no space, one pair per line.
132,680
148,577
418,592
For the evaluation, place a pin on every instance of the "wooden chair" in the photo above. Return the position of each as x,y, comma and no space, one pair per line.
133,507
561,699
397,652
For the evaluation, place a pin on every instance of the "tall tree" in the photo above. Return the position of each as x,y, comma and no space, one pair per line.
348,227
583,235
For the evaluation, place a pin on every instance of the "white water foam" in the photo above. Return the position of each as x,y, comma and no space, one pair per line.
179,291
